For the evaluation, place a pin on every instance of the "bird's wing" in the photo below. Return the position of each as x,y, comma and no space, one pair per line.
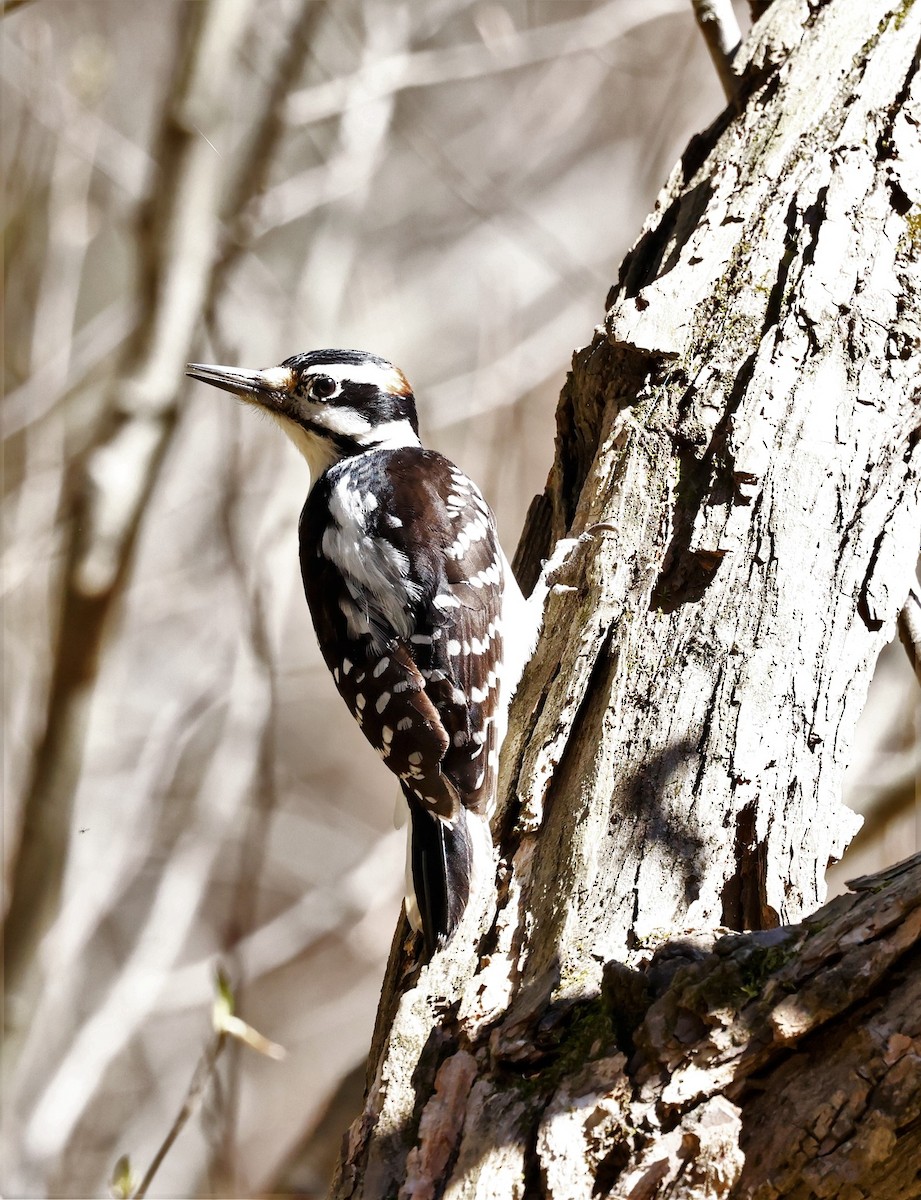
406,597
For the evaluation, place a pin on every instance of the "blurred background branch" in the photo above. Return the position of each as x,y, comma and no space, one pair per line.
451,185
120,462
717,22
12,5
910,630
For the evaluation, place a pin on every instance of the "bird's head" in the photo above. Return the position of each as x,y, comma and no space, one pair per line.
331,403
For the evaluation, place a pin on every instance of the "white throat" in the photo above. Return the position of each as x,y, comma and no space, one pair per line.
320,453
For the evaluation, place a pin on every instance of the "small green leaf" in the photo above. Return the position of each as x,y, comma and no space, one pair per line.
225,1022
224,1003
122,1181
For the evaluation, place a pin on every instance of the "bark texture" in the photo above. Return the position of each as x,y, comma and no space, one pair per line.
780,1063
732,521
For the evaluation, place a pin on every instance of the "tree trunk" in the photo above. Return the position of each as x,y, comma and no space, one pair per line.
734,505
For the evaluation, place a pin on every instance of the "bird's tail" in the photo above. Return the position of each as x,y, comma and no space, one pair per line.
445,864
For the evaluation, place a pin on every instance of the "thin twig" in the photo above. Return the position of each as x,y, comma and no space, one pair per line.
199,1081
910,630
718,24
226,1024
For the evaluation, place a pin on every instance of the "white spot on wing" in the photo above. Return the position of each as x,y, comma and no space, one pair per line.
472,531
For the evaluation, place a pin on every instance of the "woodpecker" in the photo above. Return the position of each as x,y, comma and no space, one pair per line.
415,607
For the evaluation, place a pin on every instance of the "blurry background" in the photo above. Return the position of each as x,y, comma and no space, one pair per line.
451,185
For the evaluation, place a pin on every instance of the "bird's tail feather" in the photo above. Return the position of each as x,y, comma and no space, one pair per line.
444,867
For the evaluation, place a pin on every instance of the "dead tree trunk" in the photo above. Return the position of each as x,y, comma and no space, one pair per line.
737,474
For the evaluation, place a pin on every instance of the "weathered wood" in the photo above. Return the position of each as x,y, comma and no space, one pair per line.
777,1063
736,473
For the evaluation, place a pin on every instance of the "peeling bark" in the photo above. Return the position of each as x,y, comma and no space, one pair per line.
734,505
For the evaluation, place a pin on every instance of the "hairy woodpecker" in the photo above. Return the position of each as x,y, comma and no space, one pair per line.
414,604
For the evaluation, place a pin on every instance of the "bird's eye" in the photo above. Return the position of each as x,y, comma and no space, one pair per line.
323,387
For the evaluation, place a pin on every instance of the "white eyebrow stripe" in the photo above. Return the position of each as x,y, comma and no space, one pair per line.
387,378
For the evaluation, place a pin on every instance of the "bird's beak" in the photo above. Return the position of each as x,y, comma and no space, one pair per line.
273,384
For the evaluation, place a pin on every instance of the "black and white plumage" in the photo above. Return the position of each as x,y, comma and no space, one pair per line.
415,608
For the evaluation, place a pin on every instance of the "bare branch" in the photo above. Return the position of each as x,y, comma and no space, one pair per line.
718,24
67,365
424,68
122,464
501,381
185,229
268,129
360,149
86,132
